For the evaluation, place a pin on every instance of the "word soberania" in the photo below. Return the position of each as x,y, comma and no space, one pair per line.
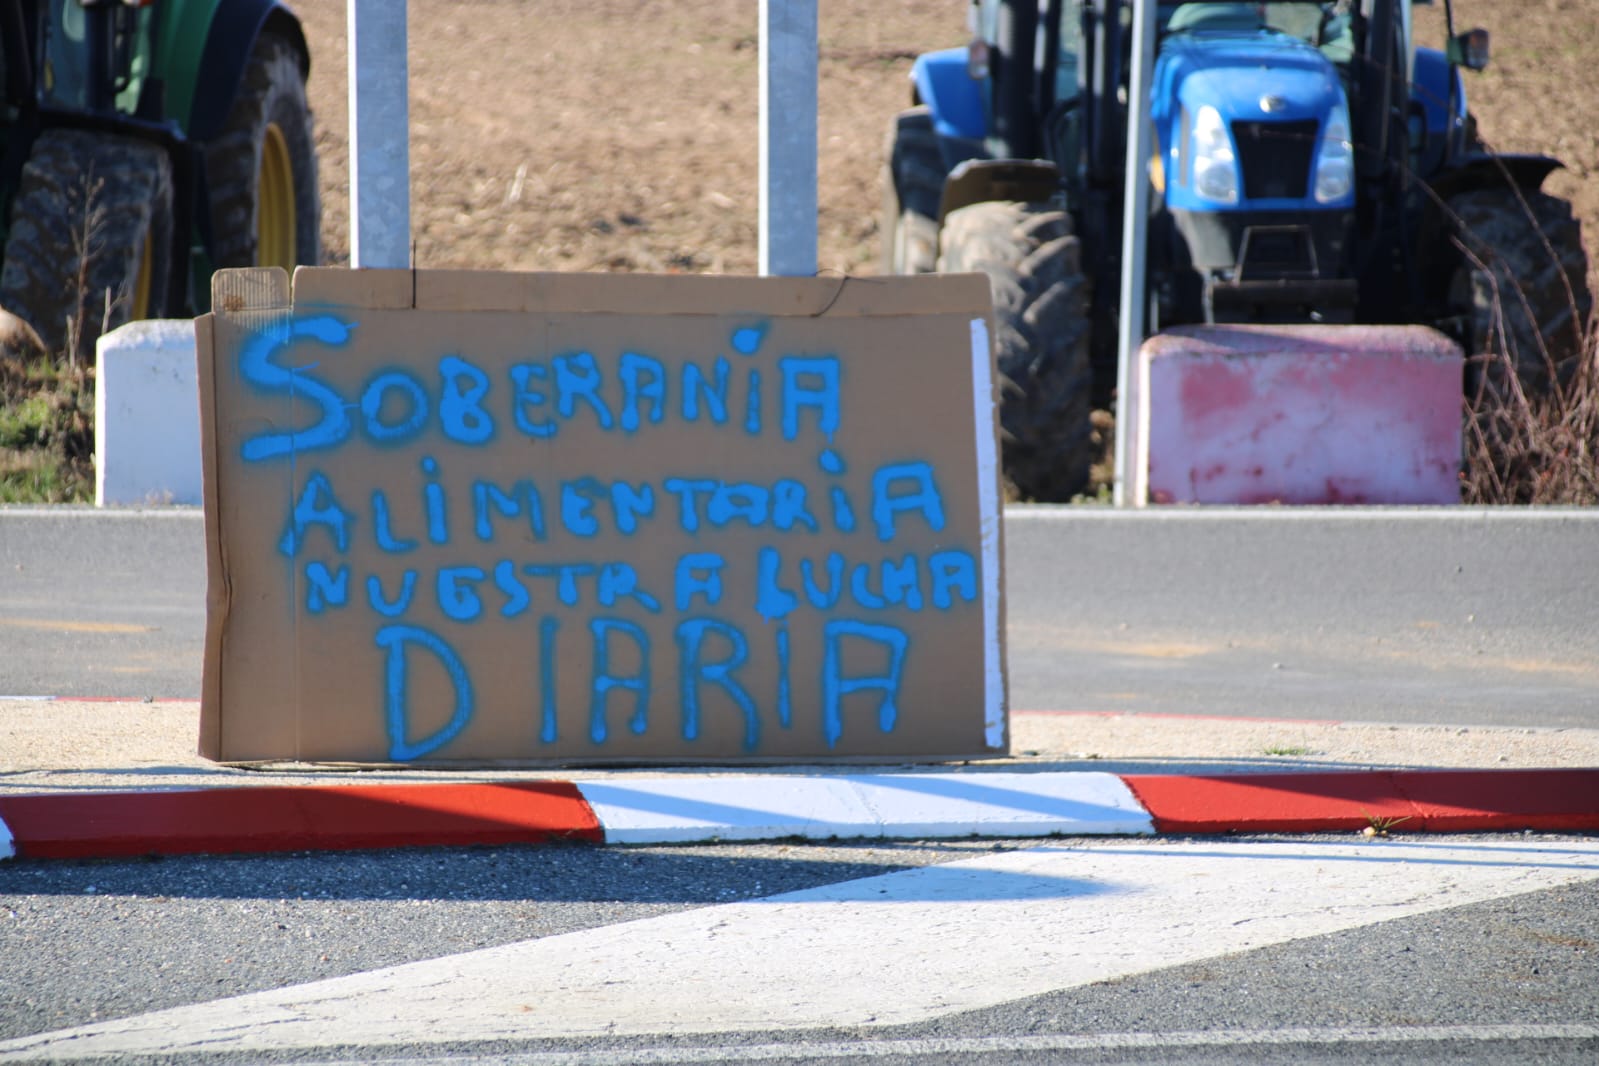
804,584
535,398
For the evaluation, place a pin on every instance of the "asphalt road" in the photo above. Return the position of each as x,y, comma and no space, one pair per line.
1468,617
1507,980
1442,615
1458,617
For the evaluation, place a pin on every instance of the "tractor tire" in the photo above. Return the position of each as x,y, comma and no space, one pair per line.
1034,265
261,169
90,238
913,182
1527,304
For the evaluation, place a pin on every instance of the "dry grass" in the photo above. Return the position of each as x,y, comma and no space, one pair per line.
1532,417
46,432
1534,447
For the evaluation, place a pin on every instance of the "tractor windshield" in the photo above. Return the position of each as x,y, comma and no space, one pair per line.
65,71
1323,24
95,56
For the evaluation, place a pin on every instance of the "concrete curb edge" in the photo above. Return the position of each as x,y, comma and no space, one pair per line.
691,808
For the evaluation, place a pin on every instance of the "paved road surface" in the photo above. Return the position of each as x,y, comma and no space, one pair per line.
1443,616
1337,950
1328,949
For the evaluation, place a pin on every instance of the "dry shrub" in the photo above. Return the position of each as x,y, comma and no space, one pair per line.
1533,445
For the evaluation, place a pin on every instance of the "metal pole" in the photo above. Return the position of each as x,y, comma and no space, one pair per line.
788,137
1131,488
380,156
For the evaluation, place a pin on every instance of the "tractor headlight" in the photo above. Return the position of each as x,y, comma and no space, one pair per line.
1215,162
1335,158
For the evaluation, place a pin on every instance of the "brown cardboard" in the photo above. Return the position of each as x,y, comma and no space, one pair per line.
380,591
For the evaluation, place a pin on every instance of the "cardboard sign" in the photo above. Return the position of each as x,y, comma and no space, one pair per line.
461,518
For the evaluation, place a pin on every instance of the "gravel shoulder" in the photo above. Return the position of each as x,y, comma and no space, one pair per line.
65,745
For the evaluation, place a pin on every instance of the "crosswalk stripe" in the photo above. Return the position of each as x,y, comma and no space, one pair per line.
895,949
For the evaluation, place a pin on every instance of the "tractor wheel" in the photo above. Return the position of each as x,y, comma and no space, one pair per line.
913,181
90,244
1033,262
1526,297
265,207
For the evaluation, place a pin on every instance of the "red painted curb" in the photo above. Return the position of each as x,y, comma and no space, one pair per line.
1455,800
295,818
1404,800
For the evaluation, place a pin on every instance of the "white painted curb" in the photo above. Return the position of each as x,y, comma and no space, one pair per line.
679,810
8,847
147,415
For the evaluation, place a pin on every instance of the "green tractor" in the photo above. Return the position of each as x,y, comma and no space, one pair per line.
144,144
1311,163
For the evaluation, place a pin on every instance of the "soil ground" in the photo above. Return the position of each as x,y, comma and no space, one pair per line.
620,135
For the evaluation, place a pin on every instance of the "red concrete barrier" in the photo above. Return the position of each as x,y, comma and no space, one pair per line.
1302,414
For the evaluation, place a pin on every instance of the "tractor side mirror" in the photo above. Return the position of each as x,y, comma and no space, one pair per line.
977,60
1469,49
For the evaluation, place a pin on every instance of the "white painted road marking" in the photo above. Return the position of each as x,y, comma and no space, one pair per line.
889,950
994,1045
651,810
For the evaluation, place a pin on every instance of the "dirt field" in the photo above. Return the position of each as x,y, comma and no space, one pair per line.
621,134
618,134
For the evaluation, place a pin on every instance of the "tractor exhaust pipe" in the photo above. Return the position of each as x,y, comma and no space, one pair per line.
1015,104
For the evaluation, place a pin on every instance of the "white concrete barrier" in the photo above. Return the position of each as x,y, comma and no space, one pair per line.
1236,414
147,415
1303,414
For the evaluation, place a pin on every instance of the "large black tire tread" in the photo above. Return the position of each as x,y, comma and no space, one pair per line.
1522,303
95,202
1034,265
271,93
913,182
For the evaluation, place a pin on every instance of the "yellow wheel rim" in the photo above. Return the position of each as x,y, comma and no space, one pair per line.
274,208
143,280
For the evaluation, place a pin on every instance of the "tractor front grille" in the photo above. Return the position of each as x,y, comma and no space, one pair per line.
1275,158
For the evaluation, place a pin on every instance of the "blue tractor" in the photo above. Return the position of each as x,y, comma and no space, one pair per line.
1310,164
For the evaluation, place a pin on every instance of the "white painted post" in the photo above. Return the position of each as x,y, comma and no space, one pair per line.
1131,488
788,46
380,132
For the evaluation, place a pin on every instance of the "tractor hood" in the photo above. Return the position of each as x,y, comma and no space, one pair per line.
1235,73
1257,83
